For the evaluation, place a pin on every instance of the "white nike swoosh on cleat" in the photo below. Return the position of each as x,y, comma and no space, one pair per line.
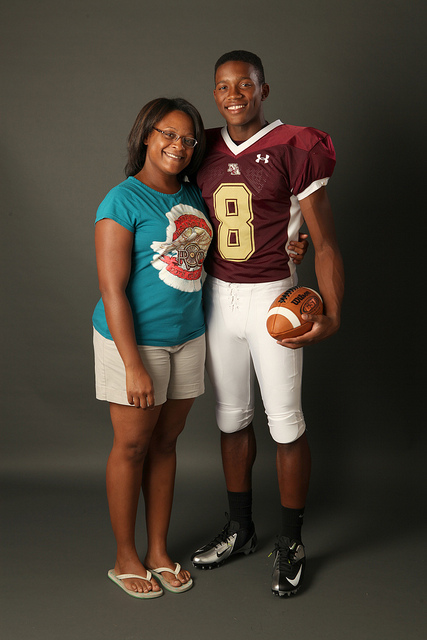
295,580
221,553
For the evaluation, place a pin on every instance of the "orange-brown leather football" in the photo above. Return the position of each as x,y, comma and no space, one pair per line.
284,316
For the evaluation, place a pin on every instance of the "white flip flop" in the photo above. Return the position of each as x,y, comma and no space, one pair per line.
158,575
135,594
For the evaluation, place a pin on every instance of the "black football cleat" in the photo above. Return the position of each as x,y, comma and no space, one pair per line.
288,566
229,542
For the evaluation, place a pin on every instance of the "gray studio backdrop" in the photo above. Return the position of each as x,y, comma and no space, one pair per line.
74,76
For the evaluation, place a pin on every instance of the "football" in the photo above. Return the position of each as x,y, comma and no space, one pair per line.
284,316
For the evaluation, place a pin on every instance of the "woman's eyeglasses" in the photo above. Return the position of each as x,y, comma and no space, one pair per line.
170,136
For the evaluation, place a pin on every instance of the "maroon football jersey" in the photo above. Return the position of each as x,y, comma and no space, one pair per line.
252,191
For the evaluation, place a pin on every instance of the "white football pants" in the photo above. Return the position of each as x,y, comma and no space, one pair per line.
240,347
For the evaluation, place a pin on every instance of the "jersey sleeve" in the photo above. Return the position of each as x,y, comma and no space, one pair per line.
317,168
116,206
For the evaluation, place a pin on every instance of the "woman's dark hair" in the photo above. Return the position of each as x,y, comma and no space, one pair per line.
147,118
240,55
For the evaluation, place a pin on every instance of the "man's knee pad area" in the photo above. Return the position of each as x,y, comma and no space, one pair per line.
287,427
284,429
232,420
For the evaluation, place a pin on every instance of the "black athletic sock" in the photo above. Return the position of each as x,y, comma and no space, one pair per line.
292,521
240,504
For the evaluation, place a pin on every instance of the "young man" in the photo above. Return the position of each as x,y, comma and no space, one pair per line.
261,181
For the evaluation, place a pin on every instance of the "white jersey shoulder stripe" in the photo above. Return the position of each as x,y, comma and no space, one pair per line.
314,186
238,148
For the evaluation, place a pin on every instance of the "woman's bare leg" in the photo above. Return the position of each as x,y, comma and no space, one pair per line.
133,429
158,485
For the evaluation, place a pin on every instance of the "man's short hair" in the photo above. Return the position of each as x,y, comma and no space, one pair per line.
242,56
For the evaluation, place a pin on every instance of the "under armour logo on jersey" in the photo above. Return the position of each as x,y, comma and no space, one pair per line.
233,168
265,159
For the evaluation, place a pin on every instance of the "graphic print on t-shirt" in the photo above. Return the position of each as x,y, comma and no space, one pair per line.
180,257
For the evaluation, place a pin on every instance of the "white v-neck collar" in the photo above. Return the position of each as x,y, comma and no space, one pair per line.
238,148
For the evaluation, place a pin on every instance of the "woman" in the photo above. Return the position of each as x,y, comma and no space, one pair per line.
151,238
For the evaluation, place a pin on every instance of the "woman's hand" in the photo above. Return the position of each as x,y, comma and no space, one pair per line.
139,387
297,250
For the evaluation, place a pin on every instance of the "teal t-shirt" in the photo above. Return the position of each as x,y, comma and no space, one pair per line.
172,234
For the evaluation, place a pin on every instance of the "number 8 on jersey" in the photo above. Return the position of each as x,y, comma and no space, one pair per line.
233,209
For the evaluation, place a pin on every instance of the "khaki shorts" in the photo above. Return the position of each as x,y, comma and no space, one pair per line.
177,372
